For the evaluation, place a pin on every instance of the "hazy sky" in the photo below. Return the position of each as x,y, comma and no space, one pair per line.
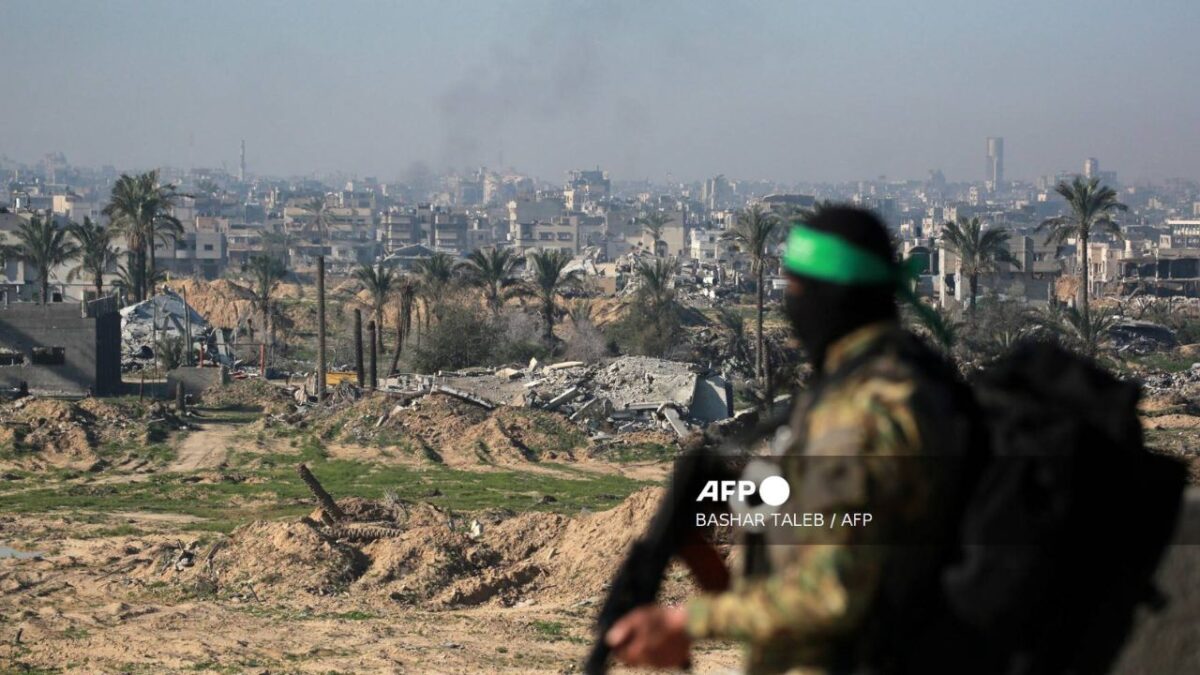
789,90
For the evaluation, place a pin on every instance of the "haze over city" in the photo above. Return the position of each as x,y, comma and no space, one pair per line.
806,91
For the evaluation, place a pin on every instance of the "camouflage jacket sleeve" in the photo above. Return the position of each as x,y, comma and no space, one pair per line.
824,584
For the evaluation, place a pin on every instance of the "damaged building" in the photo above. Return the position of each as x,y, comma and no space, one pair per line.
61,349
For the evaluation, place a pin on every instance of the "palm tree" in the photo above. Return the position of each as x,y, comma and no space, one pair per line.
738,348
1092,207
806,213
1087,332
127,280
979,251
549,280
491,271
319,207
406,294
139,208
756,232
43,245
265,274
655,287
379,282
653,224
657,294
435,272
96,254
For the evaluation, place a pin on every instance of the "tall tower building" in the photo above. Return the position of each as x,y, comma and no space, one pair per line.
995,161
1091,167
242,164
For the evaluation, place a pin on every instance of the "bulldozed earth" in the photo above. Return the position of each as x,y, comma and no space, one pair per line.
435,537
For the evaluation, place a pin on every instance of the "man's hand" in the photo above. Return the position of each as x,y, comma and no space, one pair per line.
651,635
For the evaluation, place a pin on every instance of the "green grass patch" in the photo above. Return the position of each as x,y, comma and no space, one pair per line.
1167,362
355,616
276,492
640,452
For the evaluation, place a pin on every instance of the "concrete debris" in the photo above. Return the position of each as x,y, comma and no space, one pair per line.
465,396
165,315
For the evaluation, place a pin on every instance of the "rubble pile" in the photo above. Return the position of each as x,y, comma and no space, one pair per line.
1165,384
249,393
625,394
164,316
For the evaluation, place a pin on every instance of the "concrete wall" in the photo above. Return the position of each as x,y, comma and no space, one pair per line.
91,359
195,380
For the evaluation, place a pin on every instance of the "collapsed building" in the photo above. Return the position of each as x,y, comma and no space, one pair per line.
147,325
615,395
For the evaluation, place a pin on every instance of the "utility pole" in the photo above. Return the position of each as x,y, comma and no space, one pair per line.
321,366
358,349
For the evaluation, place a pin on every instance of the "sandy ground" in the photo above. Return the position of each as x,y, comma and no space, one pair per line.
89,606
204,448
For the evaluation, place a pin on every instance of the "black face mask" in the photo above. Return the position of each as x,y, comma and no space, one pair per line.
823,312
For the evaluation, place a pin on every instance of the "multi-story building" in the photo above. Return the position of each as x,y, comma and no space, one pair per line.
995,162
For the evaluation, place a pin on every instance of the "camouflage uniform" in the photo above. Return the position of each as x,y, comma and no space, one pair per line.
820,593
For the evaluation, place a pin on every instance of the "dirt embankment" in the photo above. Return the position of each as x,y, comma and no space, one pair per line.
222,302
89,434
417,555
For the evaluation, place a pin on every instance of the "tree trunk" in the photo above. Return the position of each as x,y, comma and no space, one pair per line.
139,273
759,364
149,279
46,289
399,342
974,281
548,318
379,330
1083,273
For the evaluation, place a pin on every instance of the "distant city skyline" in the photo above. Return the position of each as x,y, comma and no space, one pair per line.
801,92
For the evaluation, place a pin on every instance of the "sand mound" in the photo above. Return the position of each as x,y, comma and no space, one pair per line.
423,556
423,562
223,303
584,559
279,559
249,393
48,432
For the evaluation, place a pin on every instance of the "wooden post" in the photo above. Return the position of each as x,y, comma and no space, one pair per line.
180,402
262,359
358,348
329,506
187,328
321,365
373,333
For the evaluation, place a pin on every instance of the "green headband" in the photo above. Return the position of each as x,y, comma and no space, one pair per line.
828,257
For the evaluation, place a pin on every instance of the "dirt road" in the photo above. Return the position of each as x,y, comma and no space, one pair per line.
204,448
